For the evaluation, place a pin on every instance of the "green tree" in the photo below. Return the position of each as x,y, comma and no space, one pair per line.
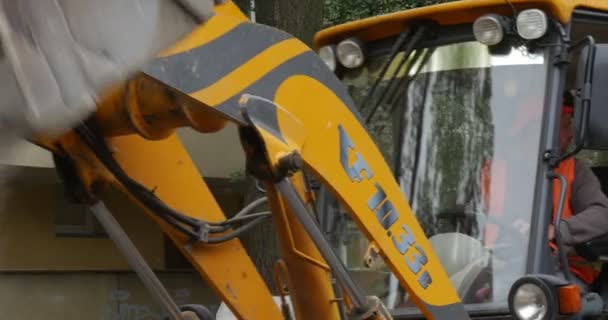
243,5
301,18
340,11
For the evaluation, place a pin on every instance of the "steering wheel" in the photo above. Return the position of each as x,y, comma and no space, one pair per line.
511,239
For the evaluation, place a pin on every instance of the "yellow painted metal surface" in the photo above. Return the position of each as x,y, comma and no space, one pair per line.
464,11
227,17
251,71
321,149
308,271
165,166
314,113
149,108
314,121
310,123
309,276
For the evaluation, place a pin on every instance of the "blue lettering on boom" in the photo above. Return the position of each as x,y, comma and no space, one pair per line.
354,172
385,212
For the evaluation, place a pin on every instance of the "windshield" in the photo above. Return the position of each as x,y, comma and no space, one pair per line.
461,129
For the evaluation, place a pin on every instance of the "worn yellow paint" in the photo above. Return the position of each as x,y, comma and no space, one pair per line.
306,271
213,29
320,149
249,72
465,11
308,116
227,17
166,166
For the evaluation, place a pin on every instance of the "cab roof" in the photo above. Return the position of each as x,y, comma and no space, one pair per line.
457,12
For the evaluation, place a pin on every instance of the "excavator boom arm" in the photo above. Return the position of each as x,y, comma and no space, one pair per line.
262,79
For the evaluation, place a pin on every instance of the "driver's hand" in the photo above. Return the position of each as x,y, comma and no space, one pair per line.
371,258
551,232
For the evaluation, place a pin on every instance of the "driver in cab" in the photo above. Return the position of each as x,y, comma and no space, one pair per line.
585,212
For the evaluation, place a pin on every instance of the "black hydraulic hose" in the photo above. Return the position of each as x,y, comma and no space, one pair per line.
246,217
394,51
237,232
390,87
169,215
244,212
392,90
403,83
139,191
409,47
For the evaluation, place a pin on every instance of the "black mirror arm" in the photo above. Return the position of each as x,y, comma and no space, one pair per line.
558,219
585,96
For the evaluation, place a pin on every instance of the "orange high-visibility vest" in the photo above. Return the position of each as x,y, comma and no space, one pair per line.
493,180
577,264
493,189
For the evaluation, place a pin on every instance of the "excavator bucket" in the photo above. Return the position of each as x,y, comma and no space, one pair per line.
58,56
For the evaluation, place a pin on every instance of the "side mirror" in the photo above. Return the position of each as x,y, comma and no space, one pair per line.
591,100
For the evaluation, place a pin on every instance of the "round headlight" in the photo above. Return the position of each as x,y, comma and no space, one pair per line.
350,53
530,302
531,24
488,29
534,297
328,55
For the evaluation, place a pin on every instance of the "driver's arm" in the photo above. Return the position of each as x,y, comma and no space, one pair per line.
589,205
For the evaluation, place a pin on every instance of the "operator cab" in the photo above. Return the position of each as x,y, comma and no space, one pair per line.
595,152
466,113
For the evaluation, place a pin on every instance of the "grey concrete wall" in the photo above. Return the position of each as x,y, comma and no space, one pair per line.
218,154
43,276
27,230
103,296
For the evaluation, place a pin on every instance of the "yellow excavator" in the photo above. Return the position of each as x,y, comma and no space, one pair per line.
390,113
